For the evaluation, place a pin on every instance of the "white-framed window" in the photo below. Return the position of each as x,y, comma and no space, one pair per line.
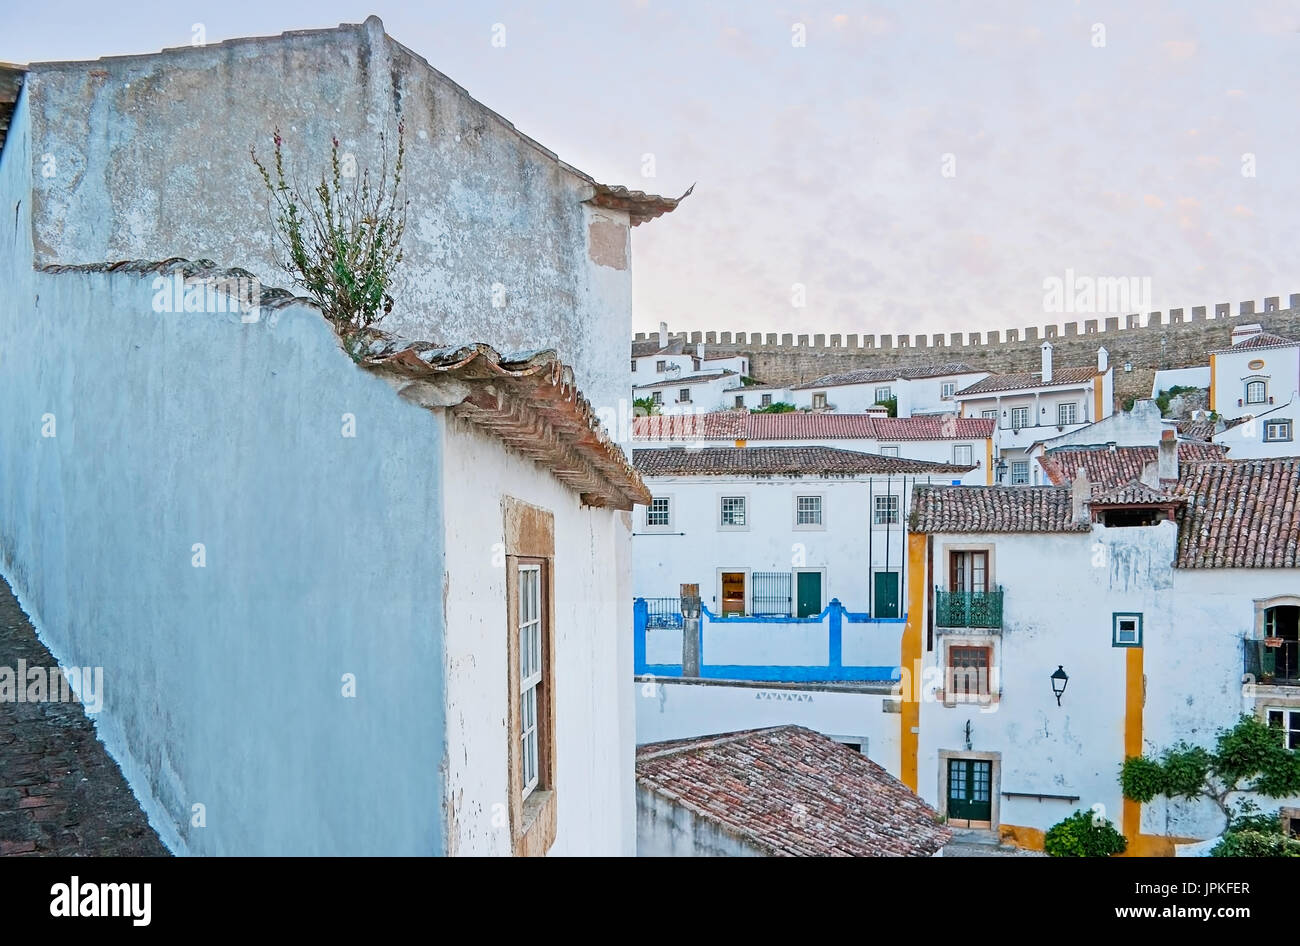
740,400
1126,629
991,415
883,394
961,454
886,511
808,512
1277,431
530,672
684,396
1256,392
819,400
889,451
657,396
947,389
659,514
1286,719
731,513
1067,413
765,400
1019,472
1019,417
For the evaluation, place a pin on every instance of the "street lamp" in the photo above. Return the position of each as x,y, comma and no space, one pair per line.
1059,679
1000,468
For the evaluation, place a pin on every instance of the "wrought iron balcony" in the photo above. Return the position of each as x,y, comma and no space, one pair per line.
1278,665
968,608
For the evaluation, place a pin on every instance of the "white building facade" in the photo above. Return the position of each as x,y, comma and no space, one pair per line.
1257,378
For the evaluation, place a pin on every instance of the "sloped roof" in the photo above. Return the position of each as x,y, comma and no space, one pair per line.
1029,379
1240,514
686,380
642,349
528,400
803,425
950,509
1114,466
868,375
1258,342
791,792
638,205
779,461
1133,493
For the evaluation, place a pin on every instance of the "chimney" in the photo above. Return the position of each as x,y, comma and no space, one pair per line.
1244,331
1047,362
1080,493
699,350
1103,360
663,335
1167,458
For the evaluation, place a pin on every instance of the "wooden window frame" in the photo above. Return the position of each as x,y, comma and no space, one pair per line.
893,510
530,541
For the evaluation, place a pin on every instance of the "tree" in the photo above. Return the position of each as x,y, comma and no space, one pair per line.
1250,757
779,407
341,239
891,403
645,407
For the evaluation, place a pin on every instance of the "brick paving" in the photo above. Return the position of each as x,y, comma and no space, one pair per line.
60,791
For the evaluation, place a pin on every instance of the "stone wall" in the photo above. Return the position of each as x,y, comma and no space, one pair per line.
1175,339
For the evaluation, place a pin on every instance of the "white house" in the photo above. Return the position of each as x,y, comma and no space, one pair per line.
1140,605
922,389
708,391
1257,378
947,439
1028,407
754,396
365,603
680,382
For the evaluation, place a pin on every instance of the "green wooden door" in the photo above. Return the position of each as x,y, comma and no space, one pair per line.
885,600
970,783
808,594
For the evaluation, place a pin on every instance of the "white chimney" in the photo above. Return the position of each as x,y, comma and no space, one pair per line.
663,335
1047,362
699,350
1103,360
1242,332
1167,457
1080,494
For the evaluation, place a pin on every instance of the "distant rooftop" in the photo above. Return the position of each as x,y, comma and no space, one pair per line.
780,461
804,425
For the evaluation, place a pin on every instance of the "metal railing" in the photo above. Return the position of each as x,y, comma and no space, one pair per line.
1278,665
663,612
968,608
772,594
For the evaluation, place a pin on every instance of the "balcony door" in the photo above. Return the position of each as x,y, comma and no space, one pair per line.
970,793
1283,621
968,571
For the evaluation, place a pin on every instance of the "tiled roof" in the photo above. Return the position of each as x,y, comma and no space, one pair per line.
528,401
1242,514
803,425
1257,342
1115,466
1029,379
791,792
779,461
675,346
638,205
688,380
1132,493
869,375
950,509
1195,429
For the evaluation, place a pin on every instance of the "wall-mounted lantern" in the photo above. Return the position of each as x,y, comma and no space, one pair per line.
1000,468
1059,679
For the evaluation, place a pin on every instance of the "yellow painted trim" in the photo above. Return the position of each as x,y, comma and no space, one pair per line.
909,717
1214,404
1134,685
988,462
1098,386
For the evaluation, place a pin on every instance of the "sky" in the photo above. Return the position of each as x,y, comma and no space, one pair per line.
864,167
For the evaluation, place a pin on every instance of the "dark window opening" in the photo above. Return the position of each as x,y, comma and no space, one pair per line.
1125,518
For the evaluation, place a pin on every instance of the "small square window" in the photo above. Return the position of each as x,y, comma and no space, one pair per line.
889,451
1126,630
1020,473
819,400
886,513
948,389
1019,417
807,510
740,400
1277,431
657,396
733,512
684,396
1288,721
766,400
991,415
659,512
883,395
961,454
661,366
1067,414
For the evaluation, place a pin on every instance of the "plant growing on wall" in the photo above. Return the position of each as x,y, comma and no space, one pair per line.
644,407
1084,834
1249,757
780,407
891,404
340,240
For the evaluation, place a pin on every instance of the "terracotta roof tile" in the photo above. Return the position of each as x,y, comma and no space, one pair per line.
803,425
688,380
789,791
1257,342
1242,514
1132,493
779,461
950,509
869,375
1029,379
1115,466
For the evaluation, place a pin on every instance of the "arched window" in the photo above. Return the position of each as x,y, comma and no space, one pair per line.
1256,392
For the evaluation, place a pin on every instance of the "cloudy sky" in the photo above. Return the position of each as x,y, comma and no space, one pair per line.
913,166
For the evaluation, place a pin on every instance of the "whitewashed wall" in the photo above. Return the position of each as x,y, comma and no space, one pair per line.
1281,368
925,395
753,397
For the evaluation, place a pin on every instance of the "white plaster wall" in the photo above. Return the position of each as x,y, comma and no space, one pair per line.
925,395
1246,441
663,562
844,398
1281,368
1140,427
592,657
223,684
665,829
795,645
1167,378
754,396
666,709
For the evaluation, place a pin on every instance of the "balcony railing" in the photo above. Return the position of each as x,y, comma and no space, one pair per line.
1278,665
968,608
663,612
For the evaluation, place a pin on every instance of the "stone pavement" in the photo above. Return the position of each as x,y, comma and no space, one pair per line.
60,792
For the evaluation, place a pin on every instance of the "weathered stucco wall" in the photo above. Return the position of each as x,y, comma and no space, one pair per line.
593,657
223,684
664,829
149,160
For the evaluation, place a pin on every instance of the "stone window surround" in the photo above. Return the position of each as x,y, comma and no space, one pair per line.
991,641
944,567
995,782
808,526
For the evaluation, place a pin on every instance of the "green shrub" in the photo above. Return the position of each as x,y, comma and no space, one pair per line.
645,407
780,407
1142,779
1256,844
1084,835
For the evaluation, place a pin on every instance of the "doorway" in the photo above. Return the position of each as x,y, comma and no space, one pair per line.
808,594
1283,621
970,793
733,593
884,599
